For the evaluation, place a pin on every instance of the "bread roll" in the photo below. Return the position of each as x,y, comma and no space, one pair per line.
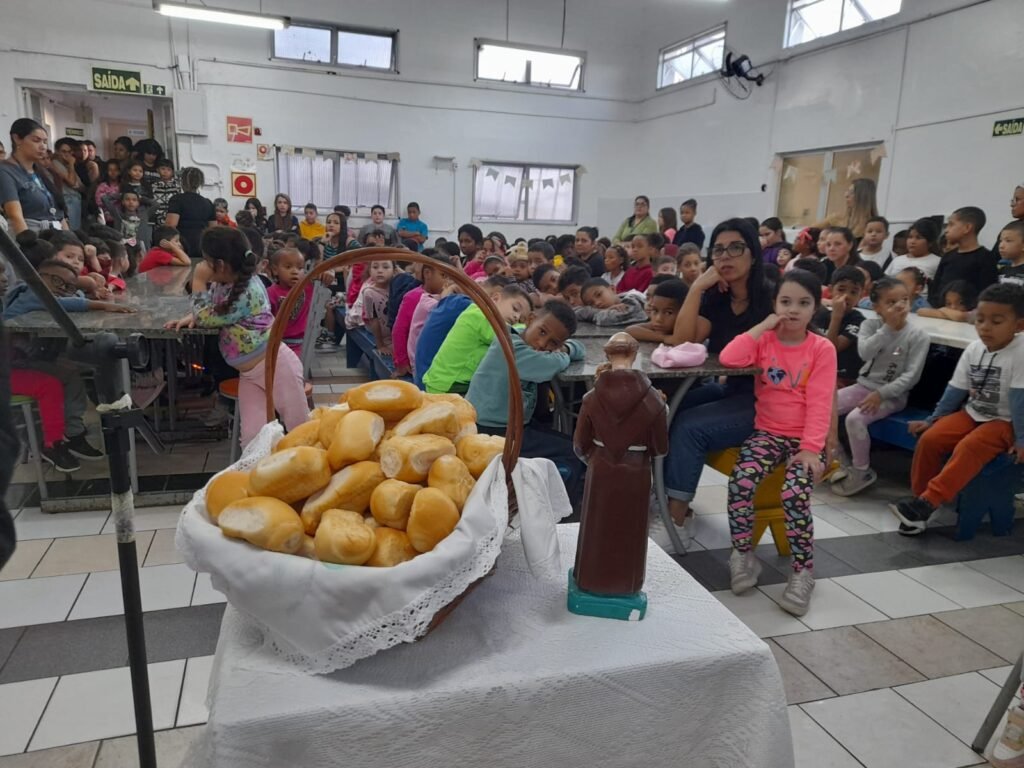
432,518
355,438
343,539
329,423
263,521
451,475
308,548
349,489
393,547
478,450
291,474
391,502
390,398
430,419
224,489
464,412
409,458
304,434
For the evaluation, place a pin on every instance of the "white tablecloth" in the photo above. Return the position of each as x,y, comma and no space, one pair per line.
513,679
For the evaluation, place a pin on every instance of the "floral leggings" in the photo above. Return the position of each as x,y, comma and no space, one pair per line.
759,455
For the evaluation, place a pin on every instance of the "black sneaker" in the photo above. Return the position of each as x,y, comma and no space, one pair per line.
58,456
79,446
906,530
913,512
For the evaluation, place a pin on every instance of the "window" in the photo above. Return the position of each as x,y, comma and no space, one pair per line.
810,19
516,192
338,46
543,68
328,178
813,185
691,58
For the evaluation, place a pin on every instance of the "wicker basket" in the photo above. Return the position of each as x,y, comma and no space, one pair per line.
514,435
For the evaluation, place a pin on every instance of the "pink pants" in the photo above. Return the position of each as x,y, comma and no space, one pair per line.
289,395
857,421
48,393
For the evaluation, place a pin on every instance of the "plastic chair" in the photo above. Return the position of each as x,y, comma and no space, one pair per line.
24,404
768,512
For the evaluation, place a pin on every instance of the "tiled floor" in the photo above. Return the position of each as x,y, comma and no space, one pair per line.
896,664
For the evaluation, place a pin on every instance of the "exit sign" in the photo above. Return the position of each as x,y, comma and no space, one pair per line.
123,81
1012,127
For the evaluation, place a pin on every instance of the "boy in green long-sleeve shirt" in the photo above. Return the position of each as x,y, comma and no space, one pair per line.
542,351
468,340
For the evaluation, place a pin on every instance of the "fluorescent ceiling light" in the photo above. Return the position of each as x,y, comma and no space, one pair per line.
202,13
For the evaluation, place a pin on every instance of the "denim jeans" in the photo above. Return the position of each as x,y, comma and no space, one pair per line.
711,417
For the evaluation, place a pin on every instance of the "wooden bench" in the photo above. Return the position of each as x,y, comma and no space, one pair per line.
768,512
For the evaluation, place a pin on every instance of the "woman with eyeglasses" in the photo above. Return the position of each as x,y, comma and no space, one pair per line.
729,298
640,223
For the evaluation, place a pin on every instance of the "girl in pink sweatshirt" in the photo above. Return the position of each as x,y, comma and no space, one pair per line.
795,393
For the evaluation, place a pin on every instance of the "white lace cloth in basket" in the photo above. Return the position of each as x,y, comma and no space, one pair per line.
323,617
513,680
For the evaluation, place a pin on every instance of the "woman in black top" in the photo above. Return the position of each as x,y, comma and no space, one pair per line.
189,212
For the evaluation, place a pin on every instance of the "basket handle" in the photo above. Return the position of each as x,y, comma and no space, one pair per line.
514,434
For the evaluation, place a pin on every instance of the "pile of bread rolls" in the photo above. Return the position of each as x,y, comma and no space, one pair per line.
376,480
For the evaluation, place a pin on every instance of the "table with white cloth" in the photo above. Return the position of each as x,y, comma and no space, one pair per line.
513,679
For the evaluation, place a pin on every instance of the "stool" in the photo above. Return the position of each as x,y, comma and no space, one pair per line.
990,492
35,454
893,428
768,512
229,391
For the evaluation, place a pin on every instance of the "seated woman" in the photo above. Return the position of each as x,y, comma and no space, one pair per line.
729,298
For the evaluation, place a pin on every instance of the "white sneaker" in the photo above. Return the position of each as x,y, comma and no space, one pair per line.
855,481
744,568
797,597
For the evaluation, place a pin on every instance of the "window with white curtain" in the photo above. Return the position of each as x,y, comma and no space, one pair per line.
328,178
527,193
810,19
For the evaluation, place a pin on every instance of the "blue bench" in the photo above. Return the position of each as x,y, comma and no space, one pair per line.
990,493
361,344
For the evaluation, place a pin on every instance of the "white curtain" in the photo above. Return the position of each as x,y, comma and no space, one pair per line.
329,178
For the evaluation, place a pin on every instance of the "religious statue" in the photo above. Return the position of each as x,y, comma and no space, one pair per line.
622,426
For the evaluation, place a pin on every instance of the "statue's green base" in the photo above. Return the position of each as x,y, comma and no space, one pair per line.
622,607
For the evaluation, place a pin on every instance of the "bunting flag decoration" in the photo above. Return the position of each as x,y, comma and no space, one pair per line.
510,180
565,178
528,184
831,175
298,151
492,173
349,157
392,156
877,153
776,164
287,149
545,183
853,169
580,170
475,162
790,173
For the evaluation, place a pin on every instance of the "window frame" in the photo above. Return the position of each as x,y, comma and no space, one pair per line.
828,164
786,44
690,41
334,29
524,202
478,42
338,155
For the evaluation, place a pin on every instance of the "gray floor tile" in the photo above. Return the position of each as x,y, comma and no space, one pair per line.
848,661
68,647
171,747
183,632
74,756
8,640
1016,607
801,685
939,546
929,646
711,568
867,553
826,565
993,626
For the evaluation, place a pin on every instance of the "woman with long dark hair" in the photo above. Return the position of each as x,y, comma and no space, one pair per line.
29,196
190,213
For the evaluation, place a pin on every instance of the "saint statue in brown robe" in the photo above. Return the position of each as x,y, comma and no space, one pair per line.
622,426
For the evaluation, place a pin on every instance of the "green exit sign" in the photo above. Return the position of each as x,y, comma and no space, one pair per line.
1012,127
123,81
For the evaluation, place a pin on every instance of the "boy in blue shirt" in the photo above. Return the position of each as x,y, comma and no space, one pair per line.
542,351
411,228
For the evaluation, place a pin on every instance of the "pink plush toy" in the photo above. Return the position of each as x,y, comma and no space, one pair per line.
685,355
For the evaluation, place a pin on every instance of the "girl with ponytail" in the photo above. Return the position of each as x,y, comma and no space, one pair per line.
228,295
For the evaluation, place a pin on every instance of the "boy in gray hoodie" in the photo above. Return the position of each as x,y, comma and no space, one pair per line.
603,306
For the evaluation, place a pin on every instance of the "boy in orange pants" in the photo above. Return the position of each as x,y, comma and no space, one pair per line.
990,377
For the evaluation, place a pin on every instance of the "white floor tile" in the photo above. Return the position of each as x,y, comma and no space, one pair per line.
883,730
964,586
25,559
1008,570
34,524
894,594
958,703
711,476
813,747
836,517
151,518
823,529
712,531
204,593
831,606
192,709
38,601
711,500
875,515
997,675
21,704
163,586
762,614
98,705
